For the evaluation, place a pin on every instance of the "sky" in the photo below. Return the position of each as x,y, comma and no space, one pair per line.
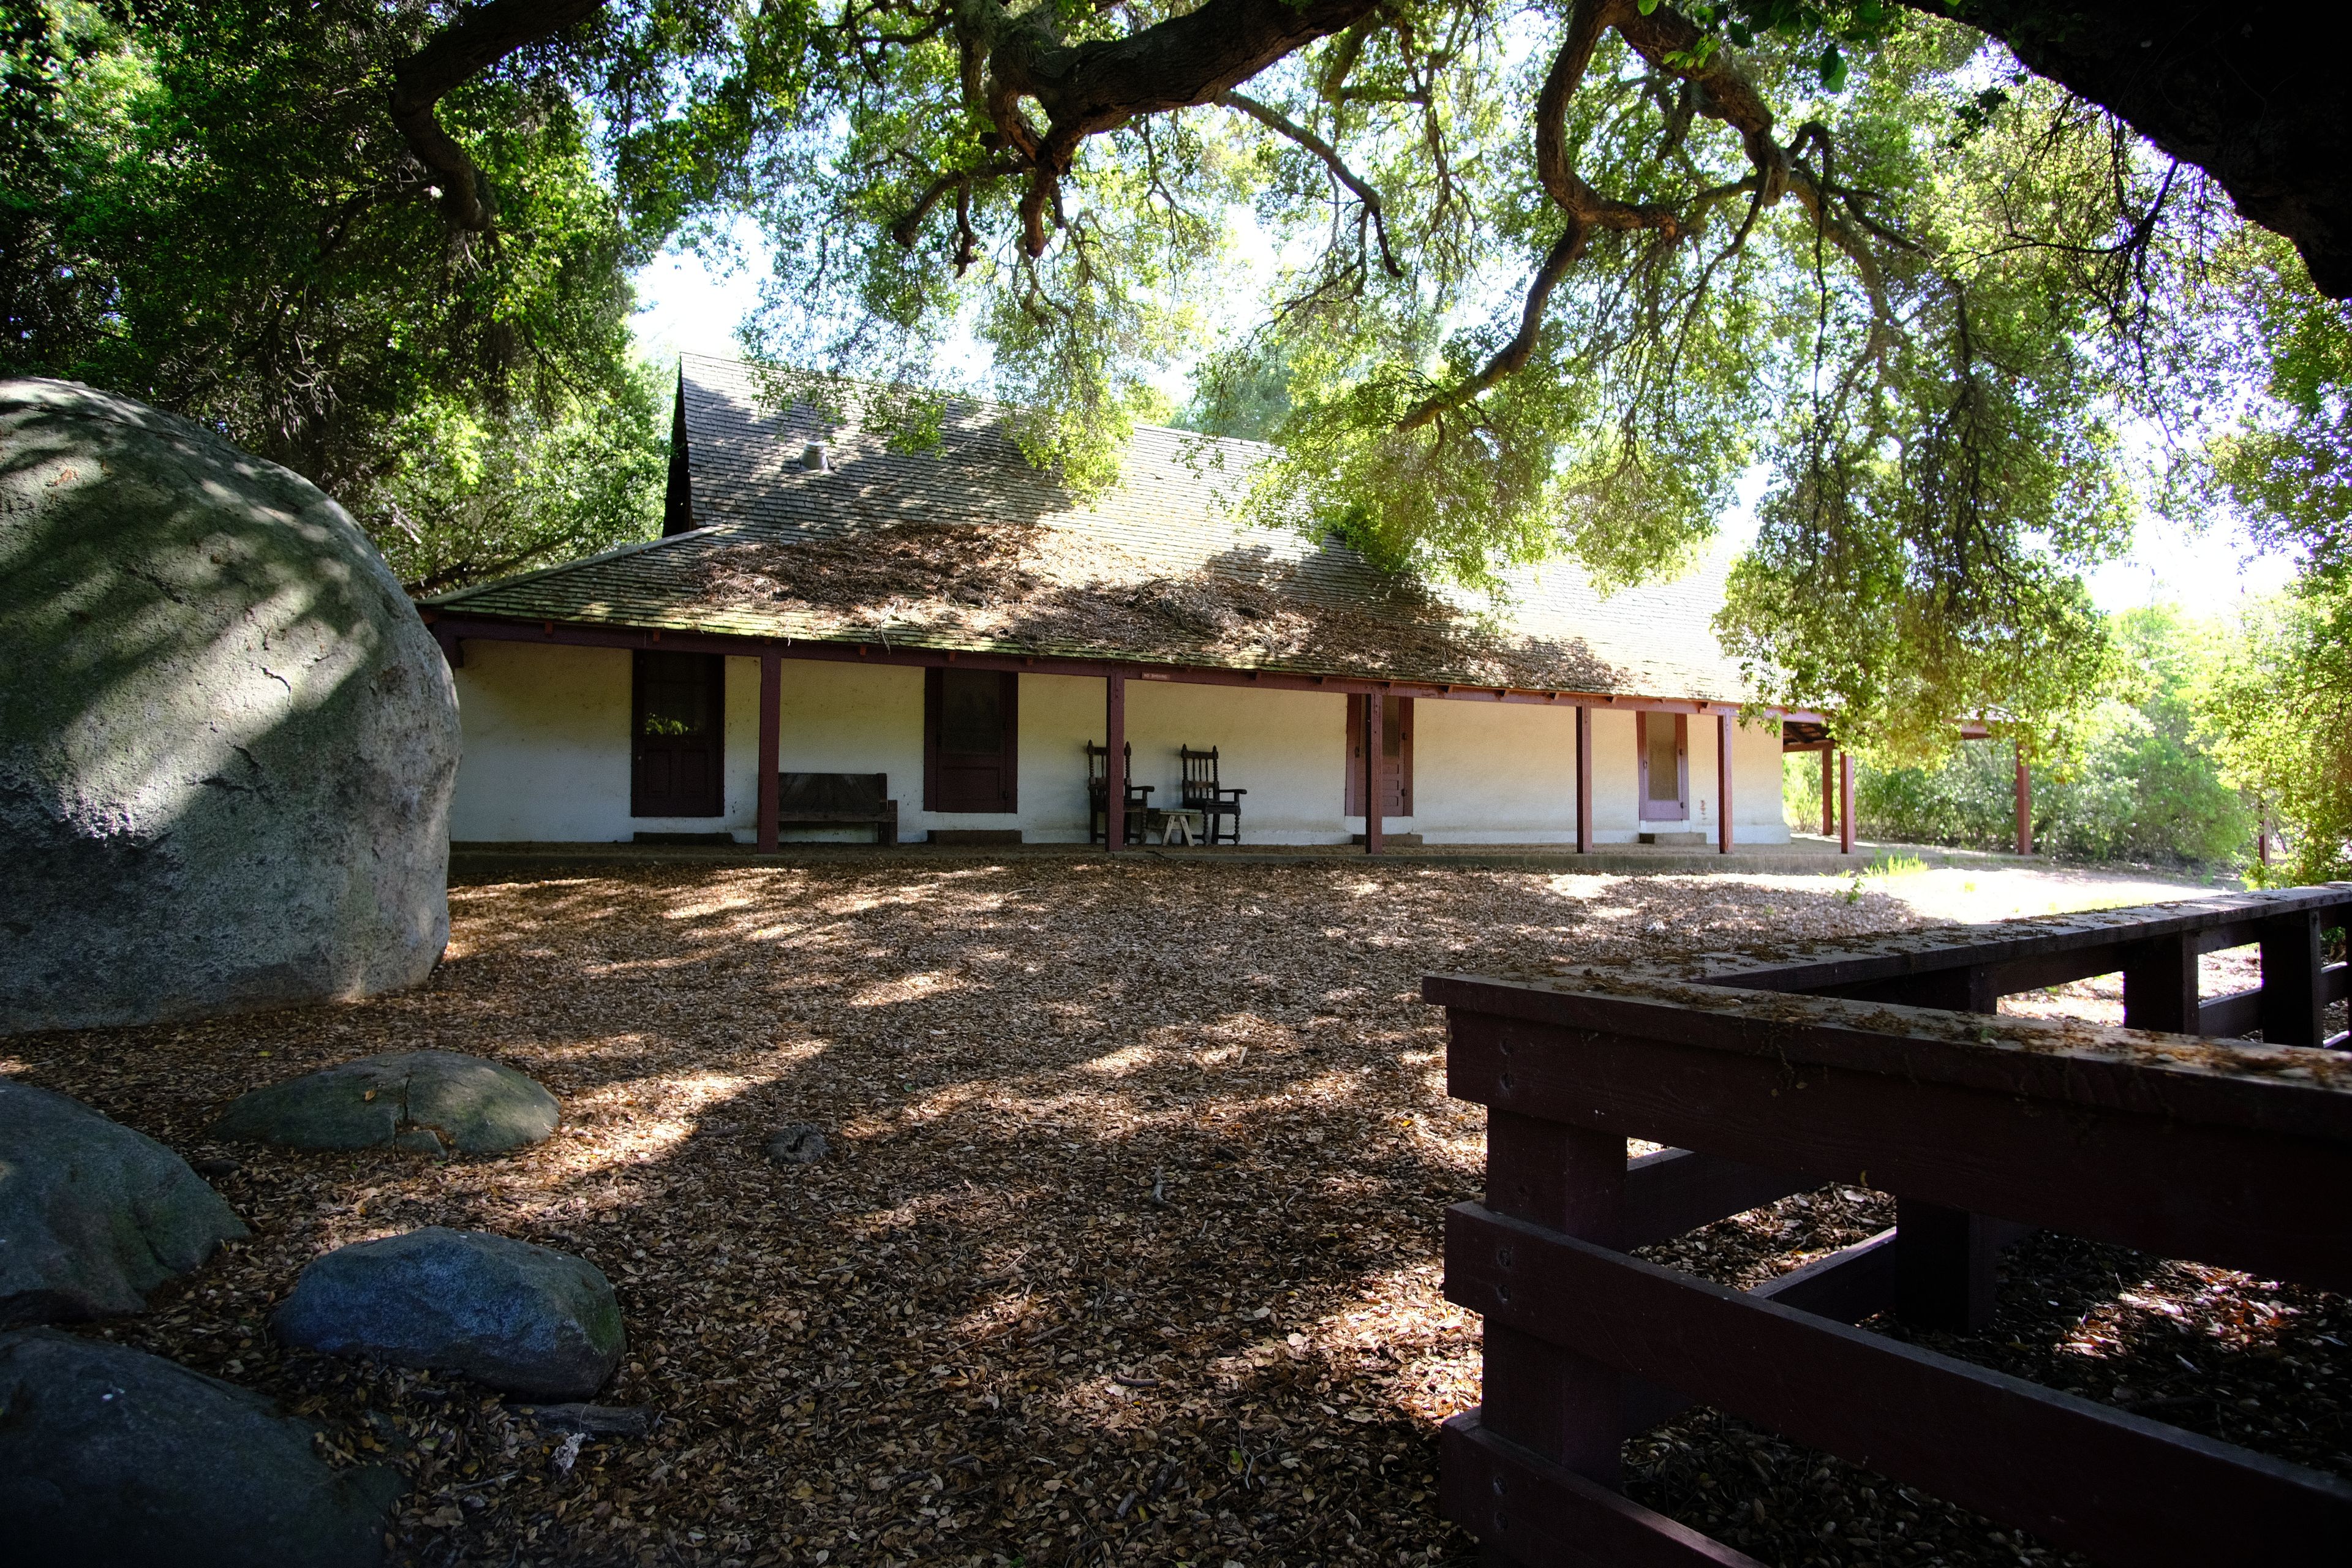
685,305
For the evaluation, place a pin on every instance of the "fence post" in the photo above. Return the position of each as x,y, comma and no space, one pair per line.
2160,986
2293,1007
1564,1406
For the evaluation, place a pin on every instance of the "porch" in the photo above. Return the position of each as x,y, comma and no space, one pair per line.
557,718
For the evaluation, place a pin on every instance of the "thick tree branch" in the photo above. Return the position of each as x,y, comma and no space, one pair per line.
1514,355
1281,124
1086,89
2252,94
479,39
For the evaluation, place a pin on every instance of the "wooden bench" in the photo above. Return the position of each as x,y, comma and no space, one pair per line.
838,800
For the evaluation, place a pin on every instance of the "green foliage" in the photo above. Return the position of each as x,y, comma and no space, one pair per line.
2278,713
2134,783
209,210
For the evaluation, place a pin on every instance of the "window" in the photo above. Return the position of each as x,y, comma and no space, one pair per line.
1664,743
1396,756
677,734
971,735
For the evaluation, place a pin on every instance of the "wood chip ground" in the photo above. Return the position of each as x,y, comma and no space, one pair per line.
1126,1249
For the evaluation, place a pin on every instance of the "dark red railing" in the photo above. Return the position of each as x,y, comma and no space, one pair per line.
1771,1075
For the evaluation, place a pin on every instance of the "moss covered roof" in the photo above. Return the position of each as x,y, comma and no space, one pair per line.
968,547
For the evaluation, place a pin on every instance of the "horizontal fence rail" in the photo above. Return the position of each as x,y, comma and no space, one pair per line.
1876,1065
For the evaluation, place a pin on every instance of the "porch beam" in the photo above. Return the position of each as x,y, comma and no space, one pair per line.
772,734
1583,779
451,629
1723,725
1845,803
1113,763
2024,804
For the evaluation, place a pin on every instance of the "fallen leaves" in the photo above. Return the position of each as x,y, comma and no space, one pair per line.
1124,1245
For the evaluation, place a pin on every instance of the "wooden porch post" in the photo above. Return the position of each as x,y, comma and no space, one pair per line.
1723,729
1374,703
1845,803
772,735
2024,804
2263,837
1829,789
1115,763
1583,779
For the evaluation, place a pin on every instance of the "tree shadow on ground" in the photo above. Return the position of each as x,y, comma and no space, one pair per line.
1127,1249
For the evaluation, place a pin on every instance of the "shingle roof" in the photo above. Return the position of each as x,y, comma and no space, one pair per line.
969,547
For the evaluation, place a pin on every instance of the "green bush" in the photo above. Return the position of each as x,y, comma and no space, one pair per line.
2134,784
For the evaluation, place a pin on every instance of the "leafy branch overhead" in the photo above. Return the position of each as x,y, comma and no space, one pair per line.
1540,276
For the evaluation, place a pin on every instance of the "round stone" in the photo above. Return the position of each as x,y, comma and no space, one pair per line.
92,1214
527,1320
429,1102
226,739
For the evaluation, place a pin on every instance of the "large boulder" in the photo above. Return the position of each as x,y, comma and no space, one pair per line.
226,741
433,1102
92,1214
109,1456
524,1319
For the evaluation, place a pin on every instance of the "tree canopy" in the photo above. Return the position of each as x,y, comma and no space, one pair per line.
1549,275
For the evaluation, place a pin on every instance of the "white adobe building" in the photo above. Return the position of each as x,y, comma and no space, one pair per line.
957,623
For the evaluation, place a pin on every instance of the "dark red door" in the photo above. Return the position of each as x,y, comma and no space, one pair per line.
972,735
678,730
1396,756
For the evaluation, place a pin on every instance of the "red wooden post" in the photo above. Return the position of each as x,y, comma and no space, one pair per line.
772,736
1374,703
2262,838
1829,790
1845,803
1583,779
1115,763
2024,804
1723,784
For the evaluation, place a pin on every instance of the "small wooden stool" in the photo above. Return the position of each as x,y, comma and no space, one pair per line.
1172,823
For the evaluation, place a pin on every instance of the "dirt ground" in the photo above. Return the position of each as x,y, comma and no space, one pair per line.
1127,1244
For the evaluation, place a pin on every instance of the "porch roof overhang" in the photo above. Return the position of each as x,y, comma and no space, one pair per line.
452,628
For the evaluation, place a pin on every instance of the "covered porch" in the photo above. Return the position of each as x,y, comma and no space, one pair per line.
1331,763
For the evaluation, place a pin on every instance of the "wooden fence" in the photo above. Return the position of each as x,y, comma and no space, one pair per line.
1770,1076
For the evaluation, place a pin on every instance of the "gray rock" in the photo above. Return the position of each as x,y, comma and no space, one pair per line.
801,1143
92,1214
433,1102
226,741
109,1456
524,1319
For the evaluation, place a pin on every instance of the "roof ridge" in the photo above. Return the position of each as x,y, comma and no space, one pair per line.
998,406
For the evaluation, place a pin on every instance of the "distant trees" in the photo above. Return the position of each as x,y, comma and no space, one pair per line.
2136,778
207,207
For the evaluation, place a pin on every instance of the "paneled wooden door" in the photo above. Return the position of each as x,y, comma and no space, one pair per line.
1396,756
677,734
971,735
1662,743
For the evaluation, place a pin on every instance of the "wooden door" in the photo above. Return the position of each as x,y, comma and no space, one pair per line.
971,740
1662,743
678,730
1396,756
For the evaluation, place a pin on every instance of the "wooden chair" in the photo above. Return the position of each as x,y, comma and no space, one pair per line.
1138,796
1204,793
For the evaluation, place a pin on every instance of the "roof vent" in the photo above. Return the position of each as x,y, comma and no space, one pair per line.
814,458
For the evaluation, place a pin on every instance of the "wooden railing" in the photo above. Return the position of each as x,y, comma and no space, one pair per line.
2236,1155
